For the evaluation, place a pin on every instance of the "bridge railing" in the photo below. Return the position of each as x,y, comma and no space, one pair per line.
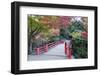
46,47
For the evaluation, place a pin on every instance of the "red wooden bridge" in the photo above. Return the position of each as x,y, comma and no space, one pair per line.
46,47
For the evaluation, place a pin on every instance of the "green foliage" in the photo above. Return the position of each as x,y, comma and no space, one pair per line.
35,27
79,44
53,38
76,27
73,30
75,34
64,33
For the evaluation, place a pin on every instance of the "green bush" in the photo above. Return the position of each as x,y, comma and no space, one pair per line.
79,44
80,48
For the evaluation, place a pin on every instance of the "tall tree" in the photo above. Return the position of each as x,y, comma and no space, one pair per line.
34,28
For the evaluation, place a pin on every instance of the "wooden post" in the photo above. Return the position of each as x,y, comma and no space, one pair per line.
70,54
68,51
37,51
65,48
46,48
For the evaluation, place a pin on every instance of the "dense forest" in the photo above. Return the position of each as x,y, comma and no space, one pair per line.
46,29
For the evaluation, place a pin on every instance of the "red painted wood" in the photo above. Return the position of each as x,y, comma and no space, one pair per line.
37,51
65,48
68,51
46,48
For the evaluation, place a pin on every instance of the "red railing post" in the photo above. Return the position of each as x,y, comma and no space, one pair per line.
65,48
37,51
46,48
68,51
